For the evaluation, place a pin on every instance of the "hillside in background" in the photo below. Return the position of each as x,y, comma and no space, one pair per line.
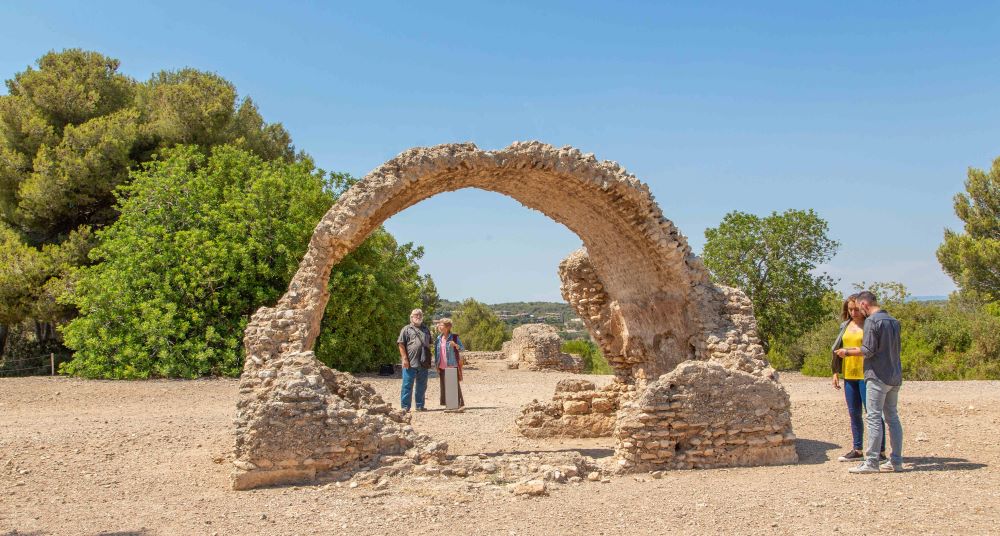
513,314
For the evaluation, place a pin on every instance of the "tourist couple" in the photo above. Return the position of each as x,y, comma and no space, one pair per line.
866,353
416,351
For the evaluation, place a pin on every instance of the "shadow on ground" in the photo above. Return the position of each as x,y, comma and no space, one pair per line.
464,408
936,463
812,451
591,452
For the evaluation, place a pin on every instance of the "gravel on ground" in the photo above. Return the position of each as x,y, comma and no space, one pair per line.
151,458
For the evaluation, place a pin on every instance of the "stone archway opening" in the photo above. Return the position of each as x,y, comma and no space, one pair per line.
692,387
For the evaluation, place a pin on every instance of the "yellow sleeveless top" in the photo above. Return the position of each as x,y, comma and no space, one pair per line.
854,365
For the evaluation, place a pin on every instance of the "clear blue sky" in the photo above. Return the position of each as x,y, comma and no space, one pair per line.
742,106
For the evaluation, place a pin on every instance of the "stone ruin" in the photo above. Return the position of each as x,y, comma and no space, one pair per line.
299,404
703,415
539,347
472,356
577,409
692,388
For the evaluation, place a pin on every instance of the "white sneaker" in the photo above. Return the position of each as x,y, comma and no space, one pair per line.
864,468
888,467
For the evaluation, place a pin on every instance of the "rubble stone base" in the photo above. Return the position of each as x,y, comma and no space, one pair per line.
705,415
577,409
297,417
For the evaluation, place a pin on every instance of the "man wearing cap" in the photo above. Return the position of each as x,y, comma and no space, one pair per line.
415,353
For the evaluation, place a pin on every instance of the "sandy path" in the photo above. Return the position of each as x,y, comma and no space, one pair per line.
96,457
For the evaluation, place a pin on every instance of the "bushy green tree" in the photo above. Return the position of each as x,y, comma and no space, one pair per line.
479,327
972,257
429,298
773,260
31,279
72,129
812,347
200,244
372,292
888,293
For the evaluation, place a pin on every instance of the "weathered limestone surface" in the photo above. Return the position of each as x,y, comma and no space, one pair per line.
644,295
297,417
577,409
718,325
538,347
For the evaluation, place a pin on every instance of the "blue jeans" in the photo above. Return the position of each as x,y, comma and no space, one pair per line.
854,392
882,400
409,375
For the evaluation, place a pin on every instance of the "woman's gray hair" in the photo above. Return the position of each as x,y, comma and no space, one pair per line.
445,321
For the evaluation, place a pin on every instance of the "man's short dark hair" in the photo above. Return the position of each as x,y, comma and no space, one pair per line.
866,296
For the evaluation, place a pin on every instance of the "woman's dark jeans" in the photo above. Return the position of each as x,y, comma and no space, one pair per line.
854,392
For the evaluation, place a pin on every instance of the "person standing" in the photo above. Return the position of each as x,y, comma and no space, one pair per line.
880,347
852,370
447,348
415,353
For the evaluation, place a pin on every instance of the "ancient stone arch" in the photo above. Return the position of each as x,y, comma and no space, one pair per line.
643,294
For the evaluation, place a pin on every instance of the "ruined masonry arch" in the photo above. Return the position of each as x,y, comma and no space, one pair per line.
643,294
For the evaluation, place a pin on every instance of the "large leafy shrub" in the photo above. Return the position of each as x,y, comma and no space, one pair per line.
201,243
72,128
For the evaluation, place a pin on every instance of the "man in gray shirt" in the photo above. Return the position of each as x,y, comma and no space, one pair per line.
415,353
883,378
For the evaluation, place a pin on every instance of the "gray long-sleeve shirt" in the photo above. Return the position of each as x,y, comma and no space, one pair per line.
881,346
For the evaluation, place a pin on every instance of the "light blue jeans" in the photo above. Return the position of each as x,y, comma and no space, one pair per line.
411,375
881,401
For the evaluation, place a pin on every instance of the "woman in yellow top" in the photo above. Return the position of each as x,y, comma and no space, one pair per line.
853,370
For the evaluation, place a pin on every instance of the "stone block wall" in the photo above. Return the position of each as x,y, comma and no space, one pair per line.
705,415
578,409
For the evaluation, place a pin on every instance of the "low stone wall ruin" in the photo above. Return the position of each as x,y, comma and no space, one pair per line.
472,356
578,409
704,415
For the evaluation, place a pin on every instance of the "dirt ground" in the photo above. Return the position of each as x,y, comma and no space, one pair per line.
148,458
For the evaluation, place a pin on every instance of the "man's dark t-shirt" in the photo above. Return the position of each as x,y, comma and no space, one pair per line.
417,341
